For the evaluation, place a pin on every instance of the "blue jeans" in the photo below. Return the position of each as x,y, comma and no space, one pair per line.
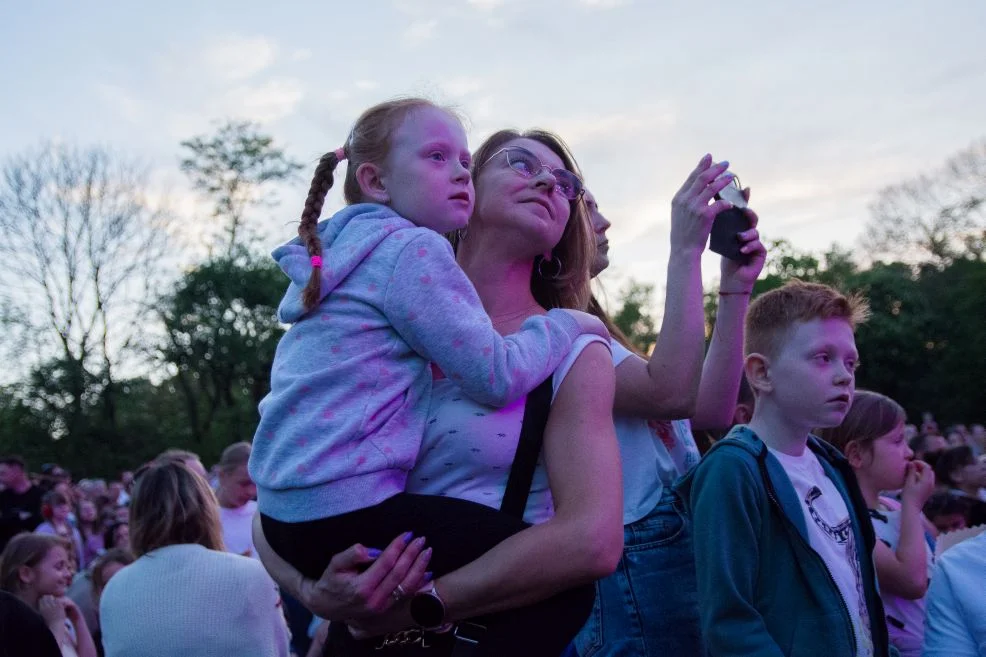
649,606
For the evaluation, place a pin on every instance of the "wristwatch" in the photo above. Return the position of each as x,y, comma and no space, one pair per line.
428,610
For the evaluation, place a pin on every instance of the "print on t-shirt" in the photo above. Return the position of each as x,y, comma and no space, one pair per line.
842,535
828,523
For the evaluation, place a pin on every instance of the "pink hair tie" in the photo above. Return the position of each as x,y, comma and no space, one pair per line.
340,153
317,262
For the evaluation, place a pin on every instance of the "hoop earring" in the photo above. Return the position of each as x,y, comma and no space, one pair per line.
557,271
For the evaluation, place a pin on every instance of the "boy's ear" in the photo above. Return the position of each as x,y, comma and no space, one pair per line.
757,369
370,179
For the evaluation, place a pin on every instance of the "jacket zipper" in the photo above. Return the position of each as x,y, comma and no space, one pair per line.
842,599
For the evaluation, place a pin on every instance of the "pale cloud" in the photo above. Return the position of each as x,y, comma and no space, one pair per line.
646,121
419,32
237,57
462,86
603,4
121,100
366,85
267,102
485,5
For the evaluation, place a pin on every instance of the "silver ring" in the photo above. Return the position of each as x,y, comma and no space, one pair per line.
399,593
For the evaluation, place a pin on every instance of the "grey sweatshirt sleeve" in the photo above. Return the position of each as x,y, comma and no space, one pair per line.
434,307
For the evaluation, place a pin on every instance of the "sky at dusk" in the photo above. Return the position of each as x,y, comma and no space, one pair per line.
817,106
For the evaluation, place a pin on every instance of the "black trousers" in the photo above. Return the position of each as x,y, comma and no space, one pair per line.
458,532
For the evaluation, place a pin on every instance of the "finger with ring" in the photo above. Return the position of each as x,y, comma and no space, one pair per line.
399,593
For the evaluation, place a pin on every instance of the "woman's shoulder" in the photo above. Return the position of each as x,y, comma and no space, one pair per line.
591,352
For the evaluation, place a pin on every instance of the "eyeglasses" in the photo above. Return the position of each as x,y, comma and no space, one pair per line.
528,165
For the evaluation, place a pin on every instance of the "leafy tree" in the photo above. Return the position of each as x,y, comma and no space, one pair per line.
234,167
633,317
222,331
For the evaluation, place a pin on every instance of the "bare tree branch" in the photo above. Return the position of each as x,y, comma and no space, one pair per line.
80,246
939,215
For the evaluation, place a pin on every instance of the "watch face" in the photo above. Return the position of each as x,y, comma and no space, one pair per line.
427,610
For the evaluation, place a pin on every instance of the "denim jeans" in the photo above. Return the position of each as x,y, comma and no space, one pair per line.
649,606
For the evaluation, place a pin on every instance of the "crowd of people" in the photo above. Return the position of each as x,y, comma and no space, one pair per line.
462,454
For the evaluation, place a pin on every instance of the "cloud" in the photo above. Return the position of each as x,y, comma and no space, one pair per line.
267,102
485,5
237,58
366,85
462,86
129,108
300,55
419,32
638,124
603,4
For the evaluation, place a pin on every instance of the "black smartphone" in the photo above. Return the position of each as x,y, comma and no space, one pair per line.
728,224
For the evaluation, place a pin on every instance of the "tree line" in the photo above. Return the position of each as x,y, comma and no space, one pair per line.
113,358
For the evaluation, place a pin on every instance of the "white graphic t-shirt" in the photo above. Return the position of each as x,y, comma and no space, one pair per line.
831,536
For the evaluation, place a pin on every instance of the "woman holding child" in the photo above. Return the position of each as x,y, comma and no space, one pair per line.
502,260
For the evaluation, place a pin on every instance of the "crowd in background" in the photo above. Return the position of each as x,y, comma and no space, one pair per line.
90,518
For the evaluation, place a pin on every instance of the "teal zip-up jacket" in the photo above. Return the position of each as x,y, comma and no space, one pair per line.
762,589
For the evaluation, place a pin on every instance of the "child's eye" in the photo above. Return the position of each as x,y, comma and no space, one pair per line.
823,358
437,156
466,163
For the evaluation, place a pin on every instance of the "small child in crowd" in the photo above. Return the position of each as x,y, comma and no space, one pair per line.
872,438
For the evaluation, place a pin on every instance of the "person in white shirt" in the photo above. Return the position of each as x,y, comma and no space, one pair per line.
237,495
956,602
184,595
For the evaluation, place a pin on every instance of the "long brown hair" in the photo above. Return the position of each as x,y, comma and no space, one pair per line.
575,250
172,505
369,141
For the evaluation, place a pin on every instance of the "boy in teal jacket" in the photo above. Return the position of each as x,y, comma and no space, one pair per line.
783,542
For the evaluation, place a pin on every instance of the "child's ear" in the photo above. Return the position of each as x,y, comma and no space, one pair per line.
370,179
743,413
25,574
854,454
757,369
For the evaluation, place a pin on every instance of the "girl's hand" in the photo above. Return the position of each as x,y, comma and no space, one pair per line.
737,276
692,209
589,324
919,484
52,610
72,610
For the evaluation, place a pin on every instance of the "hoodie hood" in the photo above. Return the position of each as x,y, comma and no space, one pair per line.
743,438
348,237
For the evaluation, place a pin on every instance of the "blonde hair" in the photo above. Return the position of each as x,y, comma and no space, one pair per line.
369,141
111,556
26,549
234,456
172,505
773,313
576,249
